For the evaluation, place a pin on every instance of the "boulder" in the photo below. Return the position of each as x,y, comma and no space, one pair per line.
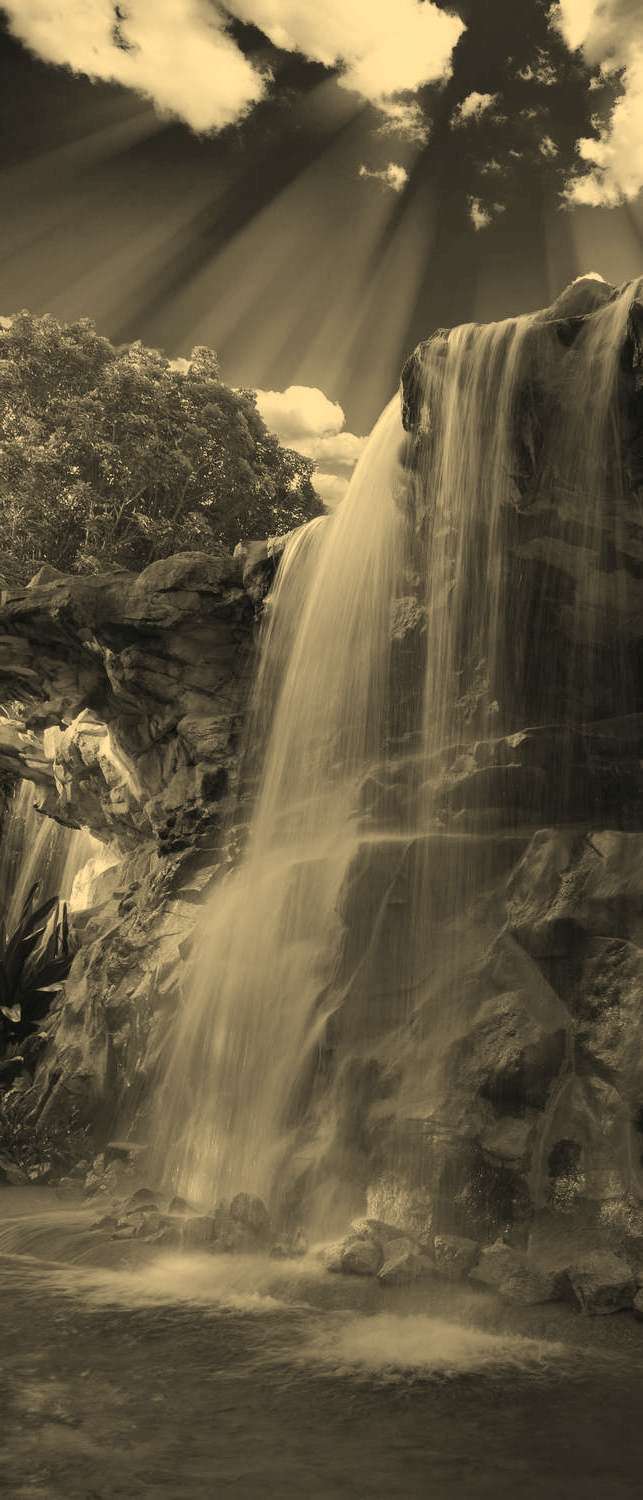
200,1230
602,1282
455,1256
251,1213
360,1258
403,1263
529,1286
496,1264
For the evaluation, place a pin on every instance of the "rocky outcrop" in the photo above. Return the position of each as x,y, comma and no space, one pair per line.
142,679
132,691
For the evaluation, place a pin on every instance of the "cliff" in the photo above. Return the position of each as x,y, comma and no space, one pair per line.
483,1057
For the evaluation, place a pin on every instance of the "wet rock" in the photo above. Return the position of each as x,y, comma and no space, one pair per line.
377,1229
511,1054
128,1152
178,1205
403,1264
529,1286
360,1258
602,1282
251,1212
200,1230
509,1140
497,1263
455,1255
331,1256
143,1196
637,1305
237,1239
11,1174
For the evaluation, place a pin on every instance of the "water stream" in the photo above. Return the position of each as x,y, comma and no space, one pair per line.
180,1377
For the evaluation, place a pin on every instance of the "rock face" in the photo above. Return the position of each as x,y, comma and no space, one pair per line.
482,1058
134,690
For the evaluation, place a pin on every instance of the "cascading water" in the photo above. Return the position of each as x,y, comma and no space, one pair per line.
424,525
34,849
252,1021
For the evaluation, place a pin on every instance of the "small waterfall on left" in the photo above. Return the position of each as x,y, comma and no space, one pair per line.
34,848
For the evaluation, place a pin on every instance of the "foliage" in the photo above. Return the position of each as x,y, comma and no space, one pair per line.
112,457
33,963
49,1147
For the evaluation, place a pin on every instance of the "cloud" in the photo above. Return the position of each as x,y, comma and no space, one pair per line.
331,488
610,36
404,119
180,54
548,148
482,215
300,411
383,47
304,419
393,176
473,108
175,52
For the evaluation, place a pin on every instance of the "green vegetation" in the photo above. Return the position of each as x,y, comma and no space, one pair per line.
111,458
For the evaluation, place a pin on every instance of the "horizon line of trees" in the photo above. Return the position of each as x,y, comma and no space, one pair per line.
113,457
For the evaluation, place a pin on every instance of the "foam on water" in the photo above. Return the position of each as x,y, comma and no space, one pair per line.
212,1284
390,1345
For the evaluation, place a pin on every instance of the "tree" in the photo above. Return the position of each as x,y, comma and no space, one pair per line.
110,458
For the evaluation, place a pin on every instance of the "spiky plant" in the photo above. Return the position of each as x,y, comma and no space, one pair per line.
34,961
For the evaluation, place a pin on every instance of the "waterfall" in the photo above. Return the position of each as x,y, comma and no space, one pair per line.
251,1019
33,849
423,525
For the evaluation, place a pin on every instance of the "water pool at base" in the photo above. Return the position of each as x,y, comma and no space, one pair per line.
194,1377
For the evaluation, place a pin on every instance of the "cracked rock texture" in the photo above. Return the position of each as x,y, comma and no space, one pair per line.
132,692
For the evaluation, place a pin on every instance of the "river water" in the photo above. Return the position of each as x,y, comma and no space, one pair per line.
193,1377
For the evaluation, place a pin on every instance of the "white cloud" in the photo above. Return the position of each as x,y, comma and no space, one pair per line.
610,35
304,419
482,215
393,176
548,147
404,119
383,47
473,108
331,488
300,411
178,54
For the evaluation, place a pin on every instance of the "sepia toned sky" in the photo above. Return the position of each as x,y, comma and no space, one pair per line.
310,189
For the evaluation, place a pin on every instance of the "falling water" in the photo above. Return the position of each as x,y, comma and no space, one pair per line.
251,1019
326,712
33,849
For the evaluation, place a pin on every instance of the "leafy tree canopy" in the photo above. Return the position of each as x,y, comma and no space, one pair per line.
110,458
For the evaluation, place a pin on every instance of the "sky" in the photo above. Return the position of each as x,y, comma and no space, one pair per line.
312,188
